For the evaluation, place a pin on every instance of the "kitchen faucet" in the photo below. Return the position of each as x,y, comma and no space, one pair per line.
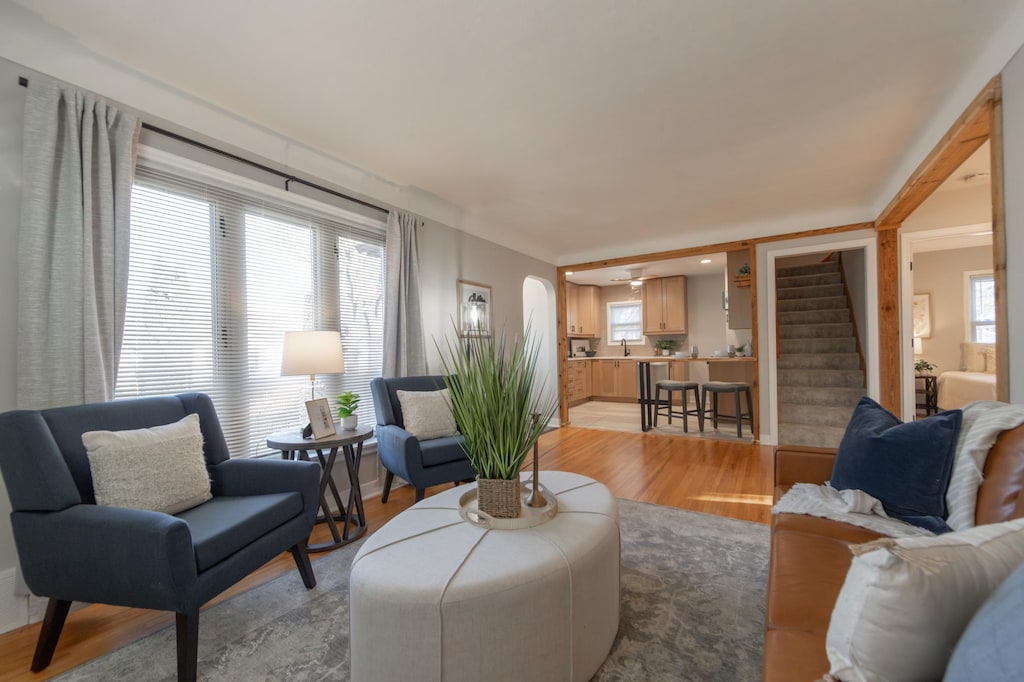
625,351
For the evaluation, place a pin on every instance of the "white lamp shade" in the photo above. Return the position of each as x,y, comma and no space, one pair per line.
313,352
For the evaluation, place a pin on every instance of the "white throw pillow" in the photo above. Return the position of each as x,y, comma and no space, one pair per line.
428,414
906,602
160,468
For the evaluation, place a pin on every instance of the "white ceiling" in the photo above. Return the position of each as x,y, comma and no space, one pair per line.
691,266
571,128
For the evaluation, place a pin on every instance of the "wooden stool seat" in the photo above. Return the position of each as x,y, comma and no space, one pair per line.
734,387
669,386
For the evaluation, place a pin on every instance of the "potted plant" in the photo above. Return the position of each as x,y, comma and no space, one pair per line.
665,346
348,403
922,366
742,278
498,411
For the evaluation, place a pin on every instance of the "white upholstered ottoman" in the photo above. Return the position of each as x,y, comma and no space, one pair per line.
436,598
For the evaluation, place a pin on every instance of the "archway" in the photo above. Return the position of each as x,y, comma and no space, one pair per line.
540,312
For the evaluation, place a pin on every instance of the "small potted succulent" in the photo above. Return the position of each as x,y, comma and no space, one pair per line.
922,366
348,403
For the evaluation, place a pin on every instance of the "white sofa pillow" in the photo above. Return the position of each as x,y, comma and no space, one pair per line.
428,414
160,468
906,602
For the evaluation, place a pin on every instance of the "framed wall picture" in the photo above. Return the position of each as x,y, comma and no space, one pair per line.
922,316
320,419
474,309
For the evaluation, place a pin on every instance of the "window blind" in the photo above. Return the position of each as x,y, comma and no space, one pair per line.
217,275
625,321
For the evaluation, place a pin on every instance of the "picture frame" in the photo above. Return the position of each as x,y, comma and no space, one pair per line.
320,420
474,308
922,316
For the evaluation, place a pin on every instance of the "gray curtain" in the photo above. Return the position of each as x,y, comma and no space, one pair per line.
78,161
404,350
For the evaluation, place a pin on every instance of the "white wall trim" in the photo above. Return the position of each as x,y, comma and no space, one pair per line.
767,254
14,612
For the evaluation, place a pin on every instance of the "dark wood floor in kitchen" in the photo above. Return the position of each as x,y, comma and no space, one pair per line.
728,478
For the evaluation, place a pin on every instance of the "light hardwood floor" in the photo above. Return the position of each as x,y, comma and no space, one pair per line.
728,478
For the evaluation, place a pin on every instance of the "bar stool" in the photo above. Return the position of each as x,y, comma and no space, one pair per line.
669,386
734,387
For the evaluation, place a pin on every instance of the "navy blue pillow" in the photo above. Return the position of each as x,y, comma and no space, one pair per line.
906,466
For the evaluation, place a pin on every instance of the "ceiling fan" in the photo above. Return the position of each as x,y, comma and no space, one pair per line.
636,277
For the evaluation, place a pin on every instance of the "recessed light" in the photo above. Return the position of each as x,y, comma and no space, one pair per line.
705,261
569,273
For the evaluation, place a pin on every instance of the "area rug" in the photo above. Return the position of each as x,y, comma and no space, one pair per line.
693,595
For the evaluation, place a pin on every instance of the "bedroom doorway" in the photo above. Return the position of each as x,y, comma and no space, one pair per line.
948,294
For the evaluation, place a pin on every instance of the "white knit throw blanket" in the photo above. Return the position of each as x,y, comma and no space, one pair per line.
855,507
983,421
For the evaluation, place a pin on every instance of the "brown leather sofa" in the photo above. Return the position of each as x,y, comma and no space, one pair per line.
810,556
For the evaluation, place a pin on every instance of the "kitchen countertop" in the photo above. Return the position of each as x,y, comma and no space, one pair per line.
666,358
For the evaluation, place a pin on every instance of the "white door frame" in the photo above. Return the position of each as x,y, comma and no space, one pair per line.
767,254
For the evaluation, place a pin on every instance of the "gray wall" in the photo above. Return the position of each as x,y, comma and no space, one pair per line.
1013,180
855,270
940,275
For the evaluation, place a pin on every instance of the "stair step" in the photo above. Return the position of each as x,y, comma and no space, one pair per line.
819,361
818,291
815,316
813,436
818,345
829,396
815,415
834,330
792,305
810,269
845,378
814,280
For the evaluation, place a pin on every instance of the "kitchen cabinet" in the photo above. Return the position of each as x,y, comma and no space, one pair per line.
664,303
614,379
581,303
579,385
740,297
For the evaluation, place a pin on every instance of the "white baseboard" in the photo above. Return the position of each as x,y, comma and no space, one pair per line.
14,609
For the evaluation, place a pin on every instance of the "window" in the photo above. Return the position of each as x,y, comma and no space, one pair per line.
981,294
625,321
217,275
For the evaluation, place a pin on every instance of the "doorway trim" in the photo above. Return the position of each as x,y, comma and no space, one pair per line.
767,255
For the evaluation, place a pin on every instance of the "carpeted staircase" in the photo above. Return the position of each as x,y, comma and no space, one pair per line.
820,378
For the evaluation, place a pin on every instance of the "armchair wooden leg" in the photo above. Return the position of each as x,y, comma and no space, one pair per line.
420,492
389,478
301,557
53,623
186,626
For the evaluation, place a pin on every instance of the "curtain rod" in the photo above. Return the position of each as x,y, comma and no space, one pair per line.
23,82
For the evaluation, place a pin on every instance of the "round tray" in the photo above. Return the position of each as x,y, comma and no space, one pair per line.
528,516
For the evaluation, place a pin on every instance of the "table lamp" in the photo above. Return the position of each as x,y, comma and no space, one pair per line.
312,353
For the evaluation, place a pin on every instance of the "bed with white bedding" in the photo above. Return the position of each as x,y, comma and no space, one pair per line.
977,381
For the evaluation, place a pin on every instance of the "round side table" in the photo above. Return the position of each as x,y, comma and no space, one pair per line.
352,517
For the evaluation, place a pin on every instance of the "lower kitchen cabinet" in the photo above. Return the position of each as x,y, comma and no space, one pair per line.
579,388
614,379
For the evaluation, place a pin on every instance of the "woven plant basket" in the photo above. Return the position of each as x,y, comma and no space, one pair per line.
499,497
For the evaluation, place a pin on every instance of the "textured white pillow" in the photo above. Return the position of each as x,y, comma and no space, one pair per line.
973,355
161,468
906,602
428,414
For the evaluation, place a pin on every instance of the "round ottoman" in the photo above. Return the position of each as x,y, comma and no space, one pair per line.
433,597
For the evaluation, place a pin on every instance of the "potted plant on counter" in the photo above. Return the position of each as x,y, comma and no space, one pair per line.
665,346
499,410
348,403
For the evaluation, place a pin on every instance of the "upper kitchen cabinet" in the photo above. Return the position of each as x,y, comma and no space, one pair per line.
664,303
581,303
740,314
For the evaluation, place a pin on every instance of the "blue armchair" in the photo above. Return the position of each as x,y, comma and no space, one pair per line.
421,463
70,548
